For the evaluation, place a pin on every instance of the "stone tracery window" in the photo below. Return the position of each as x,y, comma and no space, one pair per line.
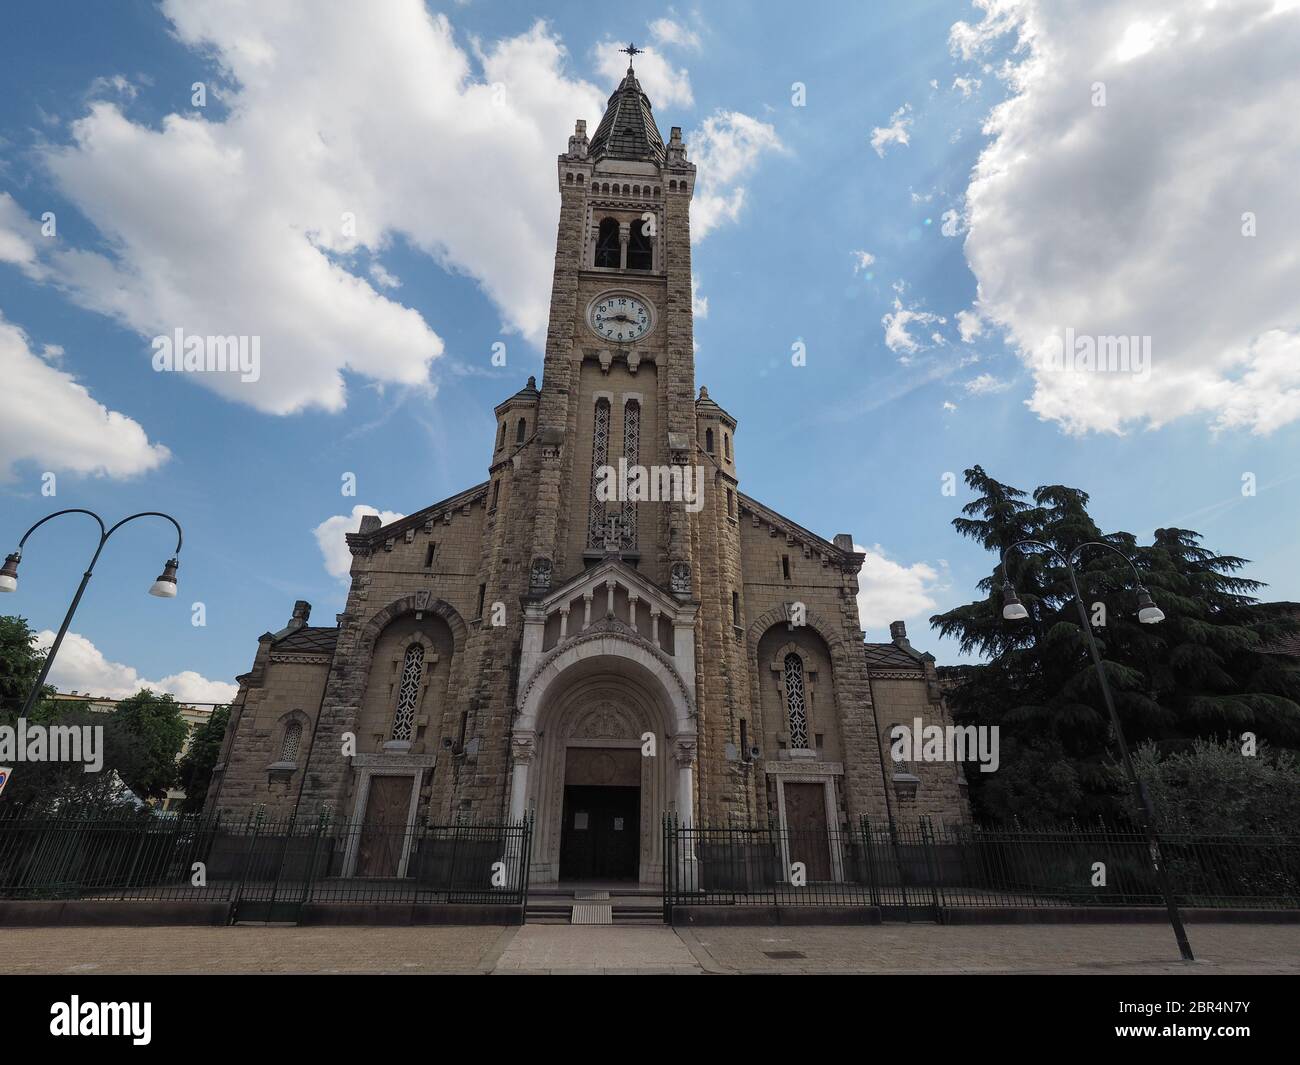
796,709
291,742
599,458
632,452
408,692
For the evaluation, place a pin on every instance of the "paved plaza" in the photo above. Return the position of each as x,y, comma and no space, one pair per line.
548,948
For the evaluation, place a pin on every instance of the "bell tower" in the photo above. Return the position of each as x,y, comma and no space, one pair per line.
618,379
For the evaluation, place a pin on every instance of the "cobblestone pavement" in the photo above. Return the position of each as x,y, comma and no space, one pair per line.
648,949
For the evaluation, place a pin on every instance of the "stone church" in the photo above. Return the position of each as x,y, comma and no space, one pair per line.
541,645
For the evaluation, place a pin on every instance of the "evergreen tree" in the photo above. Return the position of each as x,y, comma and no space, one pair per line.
1200,673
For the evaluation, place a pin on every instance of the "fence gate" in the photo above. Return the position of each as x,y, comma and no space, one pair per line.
274,866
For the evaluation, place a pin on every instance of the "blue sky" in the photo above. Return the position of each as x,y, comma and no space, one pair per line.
860,223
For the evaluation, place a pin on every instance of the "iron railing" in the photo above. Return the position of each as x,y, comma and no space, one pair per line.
918,870
266,868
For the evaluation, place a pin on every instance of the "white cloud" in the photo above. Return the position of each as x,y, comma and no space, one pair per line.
665,84
233,224
897,323
986,384
668,31
891,591
1126,220
862,261
900,122
725,149
18,238
331,537
966,86
949,407
699,304
50,420
82,667
969,325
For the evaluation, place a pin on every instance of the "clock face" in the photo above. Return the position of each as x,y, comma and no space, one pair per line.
620,317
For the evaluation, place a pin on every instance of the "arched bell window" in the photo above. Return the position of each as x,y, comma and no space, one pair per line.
519,431
640,252
607,243
796,708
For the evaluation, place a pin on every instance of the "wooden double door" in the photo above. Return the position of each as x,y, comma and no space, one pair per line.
601,835
384,828
807,833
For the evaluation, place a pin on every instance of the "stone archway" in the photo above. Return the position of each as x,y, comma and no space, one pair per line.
602,696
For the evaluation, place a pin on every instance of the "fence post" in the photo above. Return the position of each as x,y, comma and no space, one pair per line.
310,880
869,856
238,892
927,845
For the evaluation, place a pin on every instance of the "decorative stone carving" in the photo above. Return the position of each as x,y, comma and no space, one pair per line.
680,582
539,575
522,748
607,721
684,752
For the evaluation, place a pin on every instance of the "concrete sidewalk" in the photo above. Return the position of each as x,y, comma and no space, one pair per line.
892,948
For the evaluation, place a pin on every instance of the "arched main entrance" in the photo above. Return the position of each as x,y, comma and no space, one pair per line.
603,747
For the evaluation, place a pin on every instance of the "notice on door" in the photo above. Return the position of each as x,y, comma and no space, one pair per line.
618,824
580,819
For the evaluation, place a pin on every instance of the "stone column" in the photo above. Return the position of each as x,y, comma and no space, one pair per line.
687,871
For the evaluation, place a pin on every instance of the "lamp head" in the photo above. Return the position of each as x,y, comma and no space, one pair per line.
1148,612
1012,608
165,586
9,574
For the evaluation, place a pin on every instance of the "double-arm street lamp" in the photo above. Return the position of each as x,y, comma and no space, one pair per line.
164,587
1148,614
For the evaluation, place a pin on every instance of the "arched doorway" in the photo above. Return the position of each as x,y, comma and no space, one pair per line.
603,747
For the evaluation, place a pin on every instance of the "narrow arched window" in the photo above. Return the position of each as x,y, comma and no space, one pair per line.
519,432
607,243
599,458
796,709
726,445
708,441
501,437
291,742
632,452
408,692
640,252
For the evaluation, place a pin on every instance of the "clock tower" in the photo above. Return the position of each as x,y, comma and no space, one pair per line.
618,380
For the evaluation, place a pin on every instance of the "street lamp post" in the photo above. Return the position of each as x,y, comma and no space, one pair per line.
164,587
1148,614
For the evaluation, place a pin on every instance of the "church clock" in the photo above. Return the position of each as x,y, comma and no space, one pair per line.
620,317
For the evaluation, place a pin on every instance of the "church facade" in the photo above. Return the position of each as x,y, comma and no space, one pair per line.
606,630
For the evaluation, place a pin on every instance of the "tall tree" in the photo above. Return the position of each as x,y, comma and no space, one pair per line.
20,662
1200,673
200,757
153,732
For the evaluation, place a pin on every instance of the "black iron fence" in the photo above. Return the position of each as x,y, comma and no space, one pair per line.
918,870
266,868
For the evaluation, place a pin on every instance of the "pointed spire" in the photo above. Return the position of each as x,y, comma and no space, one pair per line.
628,129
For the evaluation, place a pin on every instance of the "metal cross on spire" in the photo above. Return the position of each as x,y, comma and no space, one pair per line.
632,50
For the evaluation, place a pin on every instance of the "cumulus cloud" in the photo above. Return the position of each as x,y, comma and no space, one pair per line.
48,419
82,667
726,149
331,537
897,132
893,591
969,325
1130,219
862,261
